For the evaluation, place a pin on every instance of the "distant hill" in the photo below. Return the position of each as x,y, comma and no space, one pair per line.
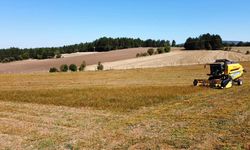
231,42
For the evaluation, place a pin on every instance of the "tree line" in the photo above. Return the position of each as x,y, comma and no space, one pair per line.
99,45
236,44
243,44
205,41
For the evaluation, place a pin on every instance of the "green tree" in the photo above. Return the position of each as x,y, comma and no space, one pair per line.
52,70
173,43
73,68
25,55
208,46
205,41
64,68
101,44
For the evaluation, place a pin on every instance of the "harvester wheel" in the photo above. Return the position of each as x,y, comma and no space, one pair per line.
240,82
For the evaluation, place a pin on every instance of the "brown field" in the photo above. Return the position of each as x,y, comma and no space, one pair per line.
125,59
30,66
155,108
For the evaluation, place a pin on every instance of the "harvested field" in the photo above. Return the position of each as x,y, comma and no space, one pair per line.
125,59
77,54
30,66
175,58
155,108
241,49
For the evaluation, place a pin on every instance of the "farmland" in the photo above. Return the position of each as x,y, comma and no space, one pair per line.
155,108
178,57
124,75
32,65
126,59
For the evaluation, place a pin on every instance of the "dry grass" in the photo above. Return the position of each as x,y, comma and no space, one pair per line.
134,109
118,99
177,57
241,49
112,90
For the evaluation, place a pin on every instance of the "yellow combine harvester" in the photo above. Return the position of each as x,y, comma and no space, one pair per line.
223,74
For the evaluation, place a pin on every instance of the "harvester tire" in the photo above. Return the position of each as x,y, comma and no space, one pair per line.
240,82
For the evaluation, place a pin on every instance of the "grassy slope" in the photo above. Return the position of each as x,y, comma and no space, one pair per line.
149,108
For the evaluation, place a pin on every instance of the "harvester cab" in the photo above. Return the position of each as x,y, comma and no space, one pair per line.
223,74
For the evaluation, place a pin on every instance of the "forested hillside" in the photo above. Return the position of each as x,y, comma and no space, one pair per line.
99,45
205,41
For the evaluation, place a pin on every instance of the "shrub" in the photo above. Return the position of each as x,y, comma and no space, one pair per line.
160,50
12,58
51,70
19,57
38,56
228,48
64,68
167,49
138,55
100,66
82,66
5,60
73,68
144,54
58,55
151,51
248,52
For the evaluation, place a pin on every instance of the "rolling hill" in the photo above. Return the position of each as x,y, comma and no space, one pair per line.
126,59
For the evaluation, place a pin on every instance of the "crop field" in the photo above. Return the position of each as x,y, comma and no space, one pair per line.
241,49
155,108
126,59
178,57
33,65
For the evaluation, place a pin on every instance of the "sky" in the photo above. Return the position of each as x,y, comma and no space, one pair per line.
51,23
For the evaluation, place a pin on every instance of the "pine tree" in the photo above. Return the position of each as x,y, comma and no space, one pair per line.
173,43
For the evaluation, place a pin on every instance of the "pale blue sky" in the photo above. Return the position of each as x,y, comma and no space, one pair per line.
41,23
